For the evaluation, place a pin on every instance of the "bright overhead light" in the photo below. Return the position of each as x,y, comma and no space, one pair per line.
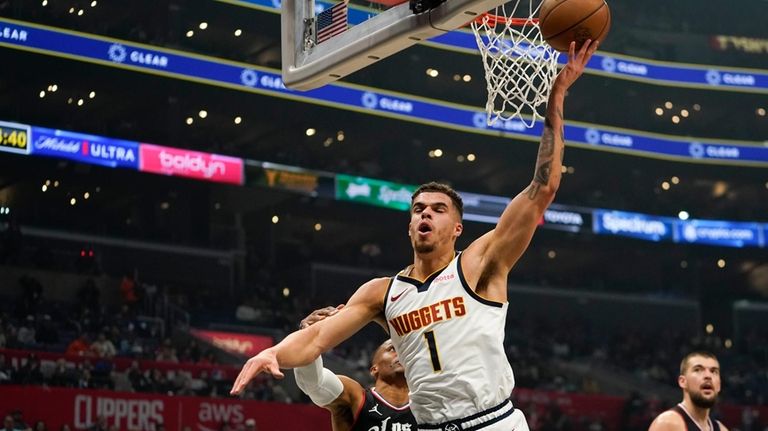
92,94
94,3
71,10
310,132
189,121
467,78
72,201
203,25
318,227
238,120
190,33
80,12
80,102
203,113
675,180
460,158
45,188
710,328
659,111
340,135
238,33
275,219
286,292
668,105
438,152
471,157
45,2
86,195
761,112
42,93
675,119
665,185
684,113
721,263
551,254
696,107
683,215
432,72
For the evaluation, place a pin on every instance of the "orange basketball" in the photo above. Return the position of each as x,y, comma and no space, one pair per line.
563,21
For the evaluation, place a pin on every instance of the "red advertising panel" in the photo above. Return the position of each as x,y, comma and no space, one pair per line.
190,164
80,408
237,343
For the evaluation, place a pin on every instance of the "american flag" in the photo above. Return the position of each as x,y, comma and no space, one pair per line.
331,22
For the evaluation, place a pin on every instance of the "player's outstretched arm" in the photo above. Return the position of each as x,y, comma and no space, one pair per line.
502,247
338,394
305,345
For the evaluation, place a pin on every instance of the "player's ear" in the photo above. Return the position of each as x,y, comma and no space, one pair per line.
459,229
374,370
681,381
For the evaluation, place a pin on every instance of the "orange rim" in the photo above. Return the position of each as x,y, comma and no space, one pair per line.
491,20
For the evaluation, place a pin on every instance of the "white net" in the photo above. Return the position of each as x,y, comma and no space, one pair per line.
520,66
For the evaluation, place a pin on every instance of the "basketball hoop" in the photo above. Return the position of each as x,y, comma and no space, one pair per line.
520,67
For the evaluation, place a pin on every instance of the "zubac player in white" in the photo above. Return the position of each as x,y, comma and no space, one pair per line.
446,311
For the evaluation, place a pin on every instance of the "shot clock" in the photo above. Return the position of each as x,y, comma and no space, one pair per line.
14,137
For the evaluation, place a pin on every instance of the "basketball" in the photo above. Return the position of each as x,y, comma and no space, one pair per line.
563,21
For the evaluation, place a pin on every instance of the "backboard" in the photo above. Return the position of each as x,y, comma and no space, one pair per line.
308,64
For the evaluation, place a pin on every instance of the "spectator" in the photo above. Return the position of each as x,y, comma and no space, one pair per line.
9,424
166,352
40,426
26,333
79,346
63,375
103,347
46,331
250,425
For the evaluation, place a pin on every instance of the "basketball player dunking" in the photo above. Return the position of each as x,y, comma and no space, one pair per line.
384,407
700,381
446,312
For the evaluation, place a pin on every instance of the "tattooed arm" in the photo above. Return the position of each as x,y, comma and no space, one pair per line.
487,261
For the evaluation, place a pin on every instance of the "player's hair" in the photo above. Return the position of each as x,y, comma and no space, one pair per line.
702,353
441,188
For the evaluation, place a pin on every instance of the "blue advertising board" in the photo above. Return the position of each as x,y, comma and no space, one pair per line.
91,149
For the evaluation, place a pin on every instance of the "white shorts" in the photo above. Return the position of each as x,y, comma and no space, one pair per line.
501,418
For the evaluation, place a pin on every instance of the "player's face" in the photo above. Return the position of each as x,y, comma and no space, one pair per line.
386,362
701,381
435,222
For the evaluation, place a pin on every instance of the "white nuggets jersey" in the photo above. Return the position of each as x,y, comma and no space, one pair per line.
451,343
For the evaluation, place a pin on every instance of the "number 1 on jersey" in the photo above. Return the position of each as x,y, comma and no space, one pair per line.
430,336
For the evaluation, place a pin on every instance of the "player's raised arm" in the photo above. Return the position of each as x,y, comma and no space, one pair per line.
498,250
304,346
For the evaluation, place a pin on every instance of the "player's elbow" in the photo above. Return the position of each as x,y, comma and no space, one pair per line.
545,193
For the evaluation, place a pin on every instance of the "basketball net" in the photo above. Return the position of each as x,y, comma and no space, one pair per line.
520,67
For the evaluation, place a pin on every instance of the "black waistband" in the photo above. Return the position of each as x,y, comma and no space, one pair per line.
459,424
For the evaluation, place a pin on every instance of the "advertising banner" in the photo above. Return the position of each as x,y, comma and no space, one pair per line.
722,233
240,344
635,225
81,408
374,192
191,164
91,149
